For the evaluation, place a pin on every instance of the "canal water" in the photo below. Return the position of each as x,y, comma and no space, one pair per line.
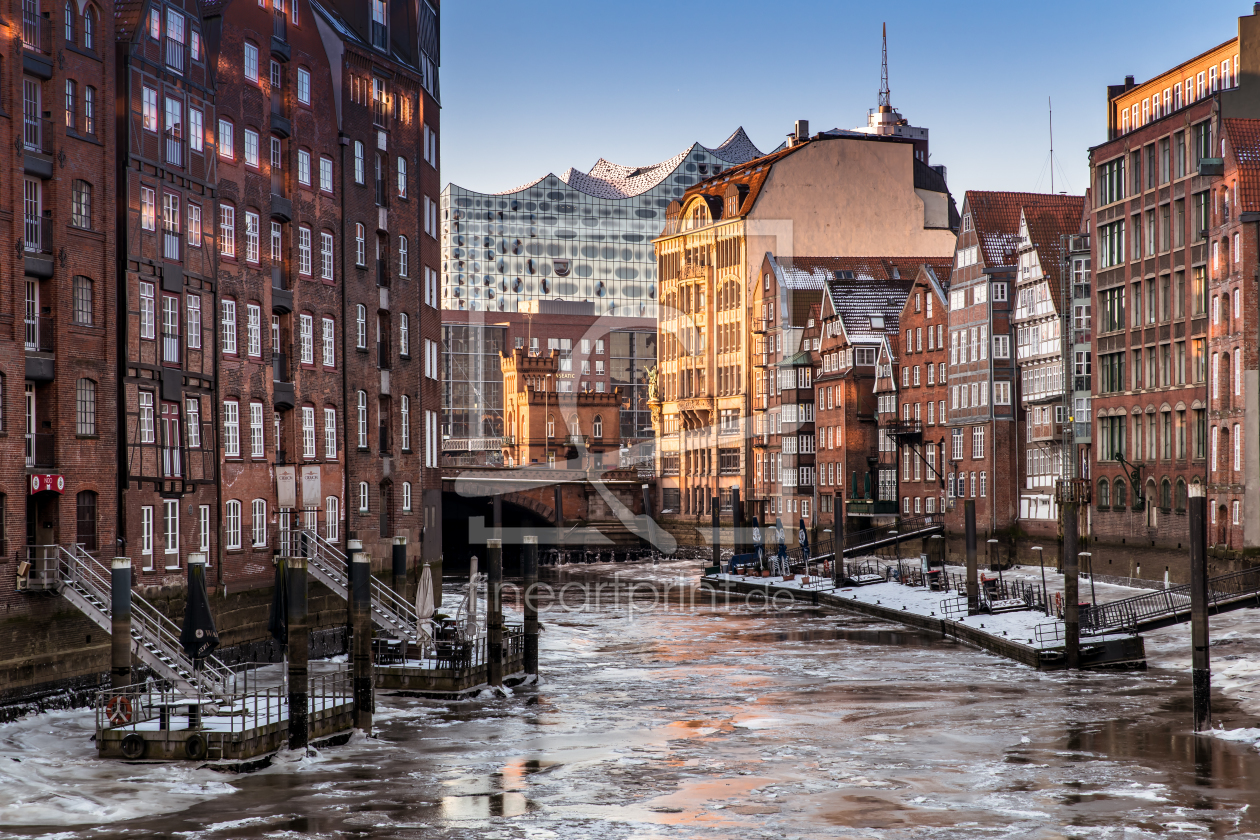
705,722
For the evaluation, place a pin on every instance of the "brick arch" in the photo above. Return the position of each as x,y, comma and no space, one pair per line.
528,502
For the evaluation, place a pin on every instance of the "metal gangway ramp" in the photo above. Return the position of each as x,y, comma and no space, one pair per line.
1165,607
328,564
85,582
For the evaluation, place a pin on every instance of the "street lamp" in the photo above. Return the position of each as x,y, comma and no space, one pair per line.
1041,560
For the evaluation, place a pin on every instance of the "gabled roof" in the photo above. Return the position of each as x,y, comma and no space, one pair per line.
1047,225
126,18
1242,141
995,217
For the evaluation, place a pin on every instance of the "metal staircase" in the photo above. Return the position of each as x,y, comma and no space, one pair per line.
1164,607
84,582
327,564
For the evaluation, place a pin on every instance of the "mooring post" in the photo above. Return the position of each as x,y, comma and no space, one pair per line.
494,612
973,589
299,653
1200,670
530,572
1071,593
737,523
120,623
353,548
398,554
361,612
717,532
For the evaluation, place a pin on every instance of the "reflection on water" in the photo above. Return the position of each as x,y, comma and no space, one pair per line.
707,724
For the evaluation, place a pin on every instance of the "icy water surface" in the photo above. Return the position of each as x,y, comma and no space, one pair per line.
713,723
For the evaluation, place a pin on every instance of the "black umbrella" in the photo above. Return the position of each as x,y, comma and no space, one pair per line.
278,621
199,637
803,538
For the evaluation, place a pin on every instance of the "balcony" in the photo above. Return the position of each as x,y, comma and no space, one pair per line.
383,360
175,54
281,207
37,141
38,246
41,449
281,295
280,36
383,438
280,125
382,272
905,428
40,364
1044,432
37,30
382,192
282,381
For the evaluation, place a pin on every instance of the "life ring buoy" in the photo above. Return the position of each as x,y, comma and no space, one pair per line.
118,710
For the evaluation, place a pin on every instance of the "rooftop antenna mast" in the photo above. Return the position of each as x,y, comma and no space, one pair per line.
885,95
1050,103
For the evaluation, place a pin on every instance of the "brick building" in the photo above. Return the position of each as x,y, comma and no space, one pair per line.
166,294
1163,238
384,56
919,425
597,354
1038,323
280,305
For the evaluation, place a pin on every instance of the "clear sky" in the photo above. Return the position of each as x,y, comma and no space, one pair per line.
536,87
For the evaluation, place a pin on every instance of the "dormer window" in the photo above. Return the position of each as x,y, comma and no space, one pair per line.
380,30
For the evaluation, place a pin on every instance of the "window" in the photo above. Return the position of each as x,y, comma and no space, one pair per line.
81,204
402,256
258,521
228,321
330,433
231,429
360,248
304,167
330,351
362,416
406,501
146,533
89,111
148,208
227,230
332,516
1001,393
326,174
256,430
194,225
148,311
225,139
303,84
85,407
83,300
72,102
194,322
402,177
358,162
304,250
251,62
977,442
251,236
150,105
360,327
308,432
363,497
326,255
170,226
192,421
306,328
1001,346
404,334
232,525
405,418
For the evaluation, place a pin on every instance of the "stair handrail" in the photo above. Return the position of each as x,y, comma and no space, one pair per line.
396,610
148,622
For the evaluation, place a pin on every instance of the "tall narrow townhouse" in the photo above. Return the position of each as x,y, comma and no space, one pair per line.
1039,321
279,221
384,59
166,290
58,368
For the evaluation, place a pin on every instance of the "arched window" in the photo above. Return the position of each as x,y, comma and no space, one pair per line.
575,426
1121,494
551,425
363,419
363,497
1182,495
332,517
406,500
69,16
360,326
258,521
89,28
85,407
1165,494
1104,493
232,524
403,256
85,520
597,427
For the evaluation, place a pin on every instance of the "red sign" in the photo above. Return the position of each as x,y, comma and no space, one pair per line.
55,483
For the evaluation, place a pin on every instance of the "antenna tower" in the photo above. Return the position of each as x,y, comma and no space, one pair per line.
885,95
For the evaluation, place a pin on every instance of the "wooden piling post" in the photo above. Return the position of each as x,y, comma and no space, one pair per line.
361,618
1200,667
494,612
973,589
299,652
120,623
398,556
717,532
1071,591
530,571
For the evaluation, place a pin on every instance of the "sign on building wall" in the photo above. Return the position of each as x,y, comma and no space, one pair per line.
312,495
286,487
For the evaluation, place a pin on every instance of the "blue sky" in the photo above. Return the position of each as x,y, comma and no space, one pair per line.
531,88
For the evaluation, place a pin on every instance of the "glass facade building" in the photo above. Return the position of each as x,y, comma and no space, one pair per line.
577,237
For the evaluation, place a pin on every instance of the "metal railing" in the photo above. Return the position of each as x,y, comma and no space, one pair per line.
41,449
40,333
328,563
280,367
38,232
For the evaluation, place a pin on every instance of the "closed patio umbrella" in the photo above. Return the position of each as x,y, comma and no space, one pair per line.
198,637
424,607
